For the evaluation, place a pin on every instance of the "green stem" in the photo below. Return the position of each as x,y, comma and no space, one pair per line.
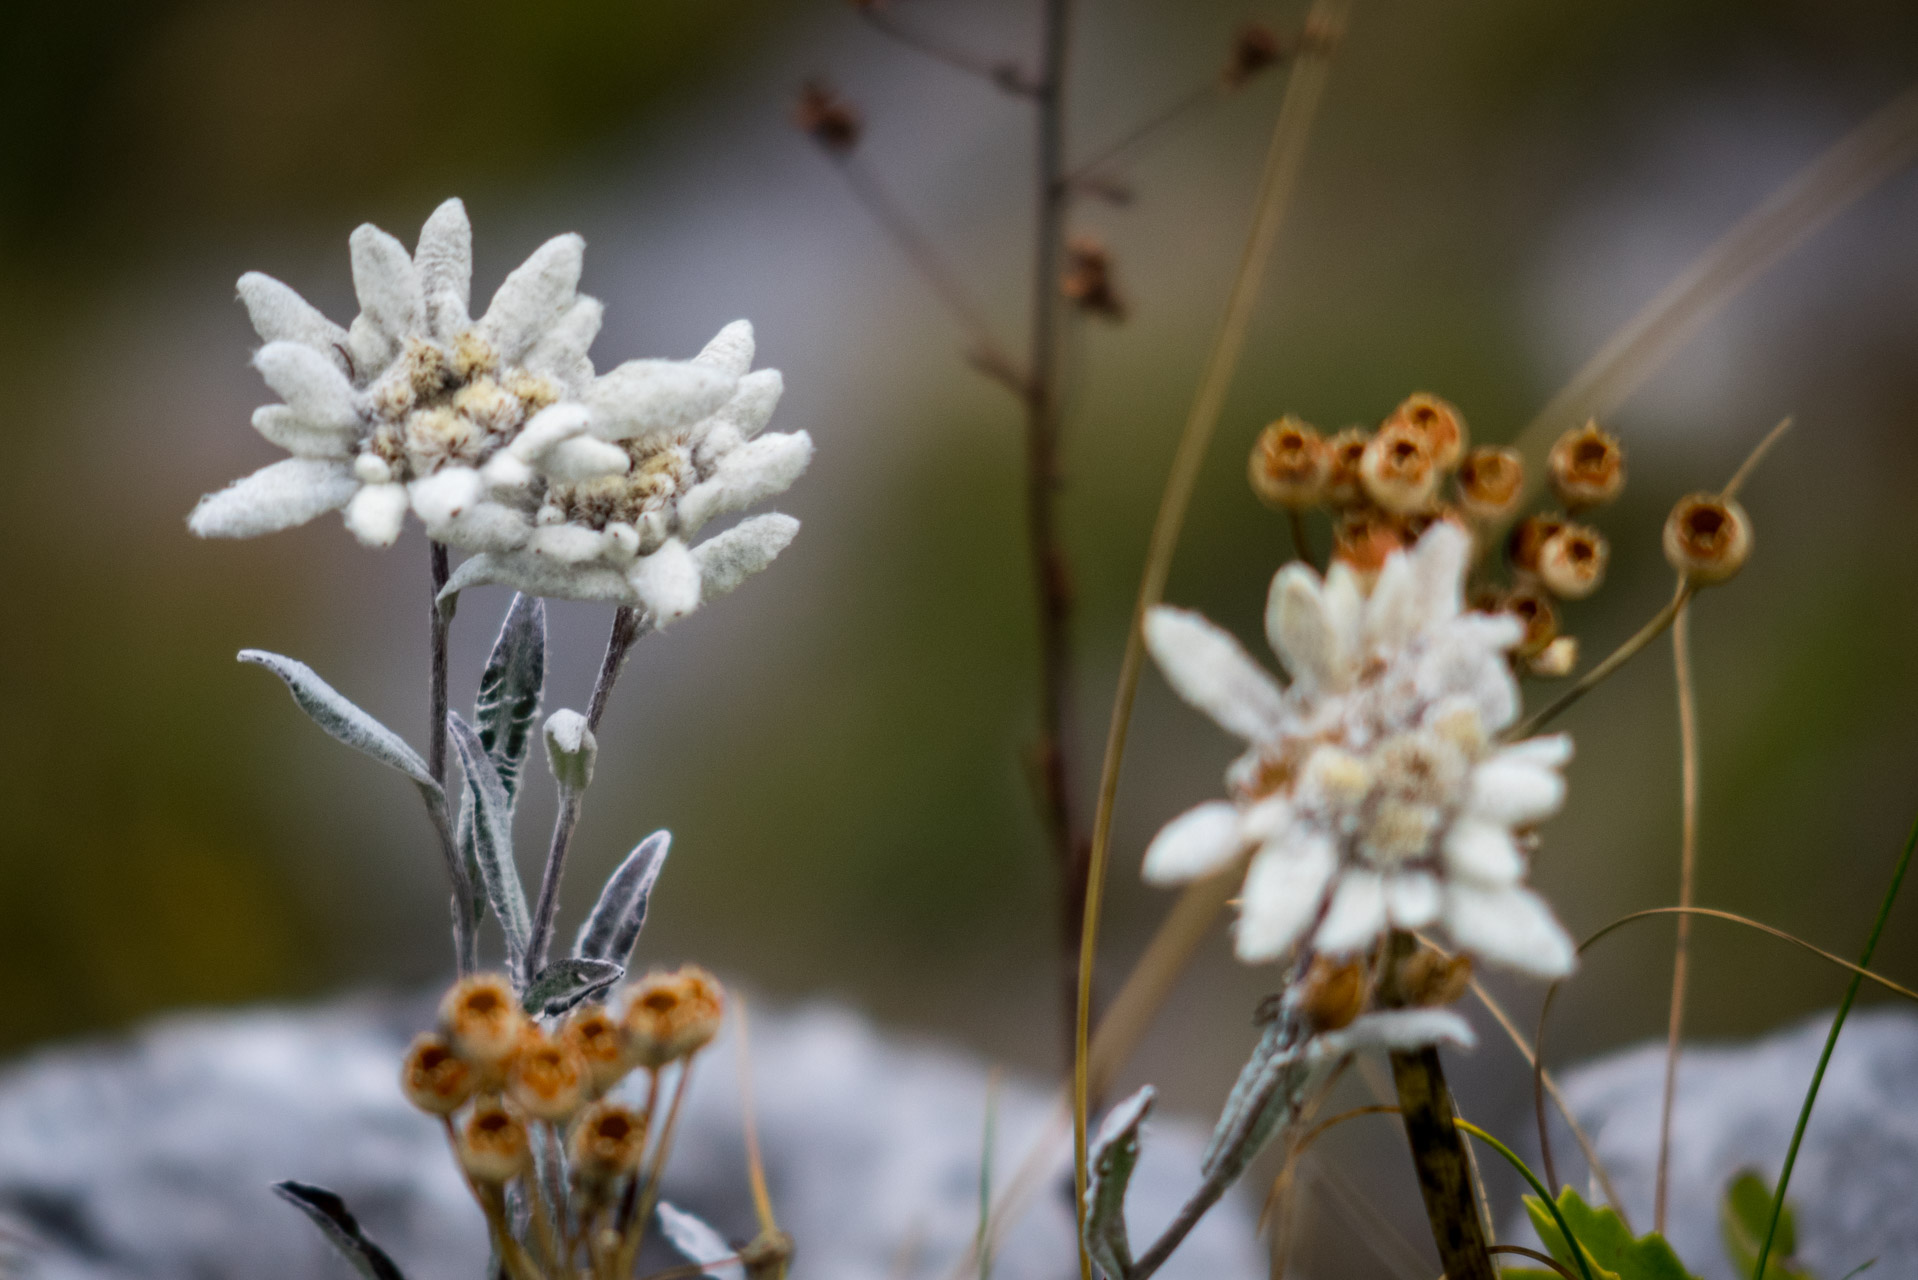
1571,1241
1831,1042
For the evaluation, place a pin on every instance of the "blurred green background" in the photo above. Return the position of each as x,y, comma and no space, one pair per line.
1494,188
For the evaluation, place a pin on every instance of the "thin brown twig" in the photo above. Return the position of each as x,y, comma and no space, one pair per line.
1001,73
1284,158
1687,867
1752,459
1087,169
1603,671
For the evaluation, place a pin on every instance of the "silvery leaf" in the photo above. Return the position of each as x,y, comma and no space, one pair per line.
337,1223
509,689
1271,1080
334,713
564,983
1114,1155
493,840
610,932
701,1244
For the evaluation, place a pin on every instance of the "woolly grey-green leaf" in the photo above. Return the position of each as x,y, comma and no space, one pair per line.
564,983
613,928
509,689
1109,1166
493,839
337,715
341,1229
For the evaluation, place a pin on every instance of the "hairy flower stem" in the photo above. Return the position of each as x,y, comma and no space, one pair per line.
1051,577
548,906
440,622
1438,1152
627,627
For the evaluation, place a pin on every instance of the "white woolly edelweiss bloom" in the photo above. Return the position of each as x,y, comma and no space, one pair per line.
497,434
1373,795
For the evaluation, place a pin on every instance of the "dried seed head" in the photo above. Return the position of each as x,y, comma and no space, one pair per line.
1441,424
1290,464
493,1147
595,1037
1557,659
1332,993
1397,469
1528,537
826,118
1489,482
1707,538
606,1142
1427,978
1088,279
671,1015
1362,538
433,1077
1535,609
1255,48
1587,467
481,1017
547,1079
1571,563
1342,485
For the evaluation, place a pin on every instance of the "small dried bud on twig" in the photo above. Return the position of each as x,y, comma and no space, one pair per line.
1557,660
828,119
493,1146
547,1079
1397,469
1342,486
433,1078
607,1142
1442,426
1528,537
482,1018
1362,538
1427,978
595,1037
1587,467
1256,47
1332,993
1088,279
672,1015
1707,538
1535,609
1571,563
1490,480
1290,464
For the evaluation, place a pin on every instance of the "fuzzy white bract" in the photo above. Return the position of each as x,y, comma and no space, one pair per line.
1373,795
499,436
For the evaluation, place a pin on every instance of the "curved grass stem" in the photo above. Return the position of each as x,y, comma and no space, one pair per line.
1687,866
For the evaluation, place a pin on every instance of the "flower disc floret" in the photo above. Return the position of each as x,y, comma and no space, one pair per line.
1373,794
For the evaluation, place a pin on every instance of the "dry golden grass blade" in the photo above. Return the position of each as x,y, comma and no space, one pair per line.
1687,867
1852,166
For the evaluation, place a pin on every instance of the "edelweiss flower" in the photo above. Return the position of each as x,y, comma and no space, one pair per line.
1373,792
497,434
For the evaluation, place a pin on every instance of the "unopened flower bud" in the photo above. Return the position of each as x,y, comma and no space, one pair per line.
547,1079
1490,480
493,1146
1343,488
1332,993
1442,426
1571,563
1587,467
1363,538
571,749
595,1037
1557,659
1535,609
1427,978
1397,469
1707,538
433,1078
828,119
1290,464
482,1019
1528,536
606,1142
671,1015
1088,280
1255,48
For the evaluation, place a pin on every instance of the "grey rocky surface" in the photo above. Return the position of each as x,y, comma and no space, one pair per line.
1855,1187
149,1156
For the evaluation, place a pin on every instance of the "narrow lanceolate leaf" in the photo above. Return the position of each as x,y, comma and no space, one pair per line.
564,983
701,1244
336,1222
1261,1097
334,713
509,690
1114,1155
610,932
493,840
